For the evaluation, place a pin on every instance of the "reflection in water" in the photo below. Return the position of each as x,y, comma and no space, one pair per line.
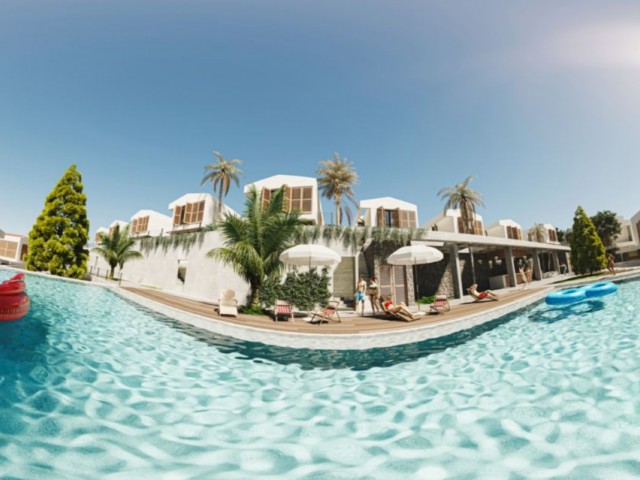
309,359
555,314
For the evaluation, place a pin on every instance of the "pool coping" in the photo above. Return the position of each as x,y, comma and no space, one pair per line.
320,341
335,341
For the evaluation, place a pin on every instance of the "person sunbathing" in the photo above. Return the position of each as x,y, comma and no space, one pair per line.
390,307
473,291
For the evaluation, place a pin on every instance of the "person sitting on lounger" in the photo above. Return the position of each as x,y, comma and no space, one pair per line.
389,306
473,291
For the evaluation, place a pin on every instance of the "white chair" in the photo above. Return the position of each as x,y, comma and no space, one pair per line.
227,303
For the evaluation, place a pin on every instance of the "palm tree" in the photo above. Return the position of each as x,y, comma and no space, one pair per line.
466,200
221,175
117,249
536,234
337,178
254,242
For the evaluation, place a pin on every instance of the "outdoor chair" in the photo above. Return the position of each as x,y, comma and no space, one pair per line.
227,303
401,313
281,309
328,314
440,304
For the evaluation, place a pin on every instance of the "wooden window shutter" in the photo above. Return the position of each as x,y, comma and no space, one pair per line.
413,220
198,213
307,199
519,233
477,227
395,217
461,228
265,198
380,218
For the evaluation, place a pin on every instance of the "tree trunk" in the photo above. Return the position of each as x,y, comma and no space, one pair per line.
112,272
338,219
255,296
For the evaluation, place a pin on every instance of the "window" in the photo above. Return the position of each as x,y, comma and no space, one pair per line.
476,229
553,237
396,218
514,233
140,225
178,215
293,198
186,214
8,249
302,199
194,212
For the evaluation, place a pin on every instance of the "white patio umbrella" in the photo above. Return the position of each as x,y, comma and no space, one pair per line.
310,255
415,255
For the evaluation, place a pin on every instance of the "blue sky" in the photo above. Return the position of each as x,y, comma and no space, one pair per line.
538,100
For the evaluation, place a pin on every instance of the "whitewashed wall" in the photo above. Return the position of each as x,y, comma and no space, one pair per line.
204,280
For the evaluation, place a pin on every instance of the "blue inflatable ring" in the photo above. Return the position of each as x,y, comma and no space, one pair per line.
599,289
566,297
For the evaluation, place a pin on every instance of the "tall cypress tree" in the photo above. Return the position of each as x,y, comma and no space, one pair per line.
587,250
58,239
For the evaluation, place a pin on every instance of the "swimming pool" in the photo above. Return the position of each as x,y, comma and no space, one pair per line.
92,386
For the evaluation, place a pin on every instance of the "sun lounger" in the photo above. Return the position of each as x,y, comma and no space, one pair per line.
402,314
281,309
227,303
328,314
440,304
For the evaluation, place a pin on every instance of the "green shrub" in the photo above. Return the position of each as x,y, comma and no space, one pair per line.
427,300
247,310
306,289
270,291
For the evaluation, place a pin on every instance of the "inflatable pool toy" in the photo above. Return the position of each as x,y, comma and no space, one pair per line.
566,297
574,295
601,288
14,302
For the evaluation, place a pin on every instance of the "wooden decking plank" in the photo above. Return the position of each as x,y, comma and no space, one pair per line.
348,325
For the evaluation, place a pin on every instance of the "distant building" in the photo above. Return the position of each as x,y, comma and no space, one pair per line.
121,224
505,229
13,247
547,233
99,233
149,223
301,193
627,244
194,211
451,221
388,212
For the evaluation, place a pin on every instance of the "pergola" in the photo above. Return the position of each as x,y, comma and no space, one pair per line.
455,243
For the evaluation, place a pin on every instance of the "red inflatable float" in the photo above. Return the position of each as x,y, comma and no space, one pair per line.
14,302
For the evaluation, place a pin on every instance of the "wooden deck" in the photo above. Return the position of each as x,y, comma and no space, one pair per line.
349,324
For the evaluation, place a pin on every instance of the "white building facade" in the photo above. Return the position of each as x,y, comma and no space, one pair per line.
149,223
388,212
301,194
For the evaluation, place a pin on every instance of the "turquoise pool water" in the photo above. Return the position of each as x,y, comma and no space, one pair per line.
92,386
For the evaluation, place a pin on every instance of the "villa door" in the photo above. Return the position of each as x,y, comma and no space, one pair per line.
393,282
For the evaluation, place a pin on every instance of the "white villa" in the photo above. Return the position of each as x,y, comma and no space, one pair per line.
149,223
99,233
505,229
388,212
194,211
627,244
301,193
548,233
13,247
121,224
451,221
